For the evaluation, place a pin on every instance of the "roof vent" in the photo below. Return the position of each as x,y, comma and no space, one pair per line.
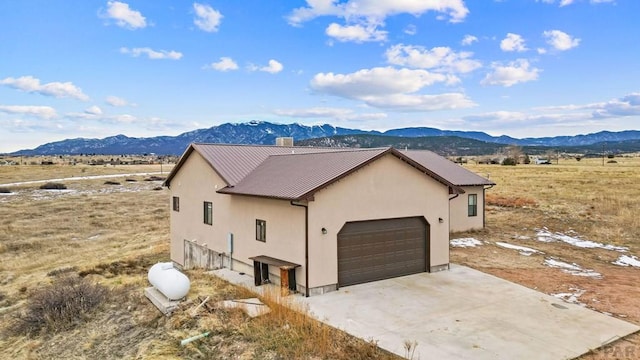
284,141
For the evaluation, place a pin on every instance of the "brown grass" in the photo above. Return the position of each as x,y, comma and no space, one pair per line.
112,235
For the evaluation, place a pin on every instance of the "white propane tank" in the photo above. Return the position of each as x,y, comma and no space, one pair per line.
169,281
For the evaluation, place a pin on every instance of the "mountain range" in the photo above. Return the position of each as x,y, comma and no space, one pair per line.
260,132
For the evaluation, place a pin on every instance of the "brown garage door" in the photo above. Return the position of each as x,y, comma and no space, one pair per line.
381,249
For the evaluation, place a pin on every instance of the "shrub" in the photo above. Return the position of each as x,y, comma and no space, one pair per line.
131,180
4,190
509,161
53,186
60,306
109,182
60,271
155,178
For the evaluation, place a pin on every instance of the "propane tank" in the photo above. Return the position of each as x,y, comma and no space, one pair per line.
169,281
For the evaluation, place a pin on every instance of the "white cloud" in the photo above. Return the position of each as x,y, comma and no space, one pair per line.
207,18
356,33
390,88
628,105
440,59
560,40
328,112
376,10
43,112
513,42
569,2
55,89
116,101
410,29
513,73
541,51
152,54
93,110
225,64
274,67
124,16
468,40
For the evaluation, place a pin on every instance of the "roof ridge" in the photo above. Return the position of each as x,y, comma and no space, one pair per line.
338,150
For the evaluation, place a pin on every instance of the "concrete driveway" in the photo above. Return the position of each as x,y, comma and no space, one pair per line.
466,314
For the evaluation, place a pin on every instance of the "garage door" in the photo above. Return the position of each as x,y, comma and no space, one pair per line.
381,249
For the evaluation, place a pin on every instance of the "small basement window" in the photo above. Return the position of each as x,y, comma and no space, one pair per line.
261,230
208,212
473,205
176,203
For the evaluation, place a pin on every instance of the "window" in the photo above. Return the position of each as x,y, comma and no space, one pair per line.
208,212
176,203
473,205
261,230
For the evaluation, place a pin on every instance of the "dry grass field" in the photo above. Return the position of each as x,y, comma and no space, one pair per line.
112,234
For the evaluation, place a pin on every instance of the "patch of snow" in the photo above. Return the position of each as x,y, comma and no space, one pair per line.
545,235
465,242
522,249
625,260
521,237
571,297
573,269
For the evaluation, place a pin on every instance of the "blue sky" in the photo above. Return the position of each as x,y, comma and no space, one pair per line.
524,68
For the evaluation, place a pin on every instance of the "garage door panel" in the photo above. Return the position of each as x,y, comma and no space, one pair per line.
381,249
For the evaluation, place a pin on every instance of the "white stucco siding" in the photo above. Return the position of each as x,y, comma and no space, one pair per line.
460,219
197,182
386,188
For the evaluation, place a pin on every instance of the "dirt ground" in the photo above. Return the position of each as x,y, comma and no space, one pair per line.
87,230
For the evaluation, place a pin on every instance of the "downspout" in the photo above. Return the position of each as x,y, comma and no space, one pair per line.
449,247
306,247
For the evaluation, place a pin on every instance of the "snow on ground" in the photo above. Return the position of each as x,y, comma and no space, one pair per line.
625,260
545,235
571,297
75,178
522,249
573,269
465,242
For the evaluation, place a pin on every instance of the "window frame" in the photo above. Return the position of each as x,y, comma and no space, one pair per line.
261,230
176,203
207,215
472,205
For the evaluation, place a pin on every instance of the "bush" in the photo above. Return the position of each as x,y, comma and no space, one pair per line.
60,306
509,161
131,180
4,190
109,182
53,186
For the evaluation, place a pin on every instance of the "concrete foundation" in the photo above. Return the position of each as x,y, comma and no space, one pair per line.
163,304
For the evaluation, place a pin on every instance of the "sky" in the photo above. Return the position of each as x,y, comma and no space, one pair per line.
523,68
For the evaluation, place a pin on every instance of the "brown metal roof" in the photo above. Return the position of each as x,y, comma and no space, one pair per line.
234,162
449,170
298,176
297,172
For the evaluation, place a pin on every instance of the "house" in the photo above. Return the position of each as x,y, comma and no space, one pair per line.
467,210
315,219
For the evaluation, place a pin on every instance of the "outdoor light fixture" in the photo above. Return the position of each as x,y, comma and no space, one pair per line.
324,231
440,220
